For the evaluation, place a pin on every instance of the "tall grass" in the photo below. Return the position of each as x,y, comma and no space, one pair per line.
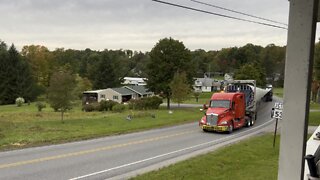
25,126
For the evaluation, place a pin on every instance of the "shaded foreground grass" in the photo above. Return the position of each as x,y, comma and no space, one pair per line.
24,126
314,118
250,159
278,92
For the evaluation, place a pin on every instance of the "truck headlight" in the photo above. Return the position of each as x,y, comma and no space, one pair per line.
203,121
224,123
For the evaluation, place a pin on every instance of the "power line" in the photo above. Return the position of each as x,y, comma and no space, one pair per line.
238,12
221,15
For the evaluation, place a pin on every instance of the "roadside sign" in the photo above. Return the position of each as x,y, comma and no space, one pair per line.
276,113
278,105
277,110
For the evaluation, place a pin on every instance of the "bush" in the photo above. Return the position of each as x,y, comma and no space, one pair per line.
19,101
40,106
145,103
153,102
107,105
118,108
92,107
137,104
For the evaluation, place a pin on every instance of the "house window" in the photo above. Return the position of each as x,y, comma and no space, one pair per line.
115,97
102,96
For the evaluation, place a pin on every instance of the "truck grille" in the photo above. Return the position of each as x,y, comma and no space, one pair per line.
212,119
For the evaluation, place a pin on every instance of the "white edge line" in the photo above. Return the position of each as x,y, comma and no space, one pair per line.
166,154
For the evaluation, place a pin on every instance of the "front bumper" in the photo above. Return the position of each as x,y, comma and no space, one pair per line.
214,128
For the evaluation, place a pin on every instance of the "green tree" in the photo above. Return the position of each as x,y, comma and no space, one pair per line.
61,91
15,76
104,73
180,88
248,54
250,71
82,84
196,95
272,59
204,62
41,61
226,59
167,57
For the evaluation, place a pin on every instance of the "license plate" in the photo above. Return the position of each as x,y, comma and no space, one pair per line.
215,128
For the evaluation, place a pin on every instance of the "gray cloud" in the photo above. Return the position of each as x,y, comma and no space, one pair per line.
135,24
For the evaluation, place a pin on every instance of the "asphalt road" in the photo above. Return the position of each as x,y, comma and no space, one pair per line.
123,156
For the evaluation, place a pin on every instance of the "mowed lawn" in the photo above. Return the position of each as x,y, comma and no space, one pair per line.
25,126
251,159
204,98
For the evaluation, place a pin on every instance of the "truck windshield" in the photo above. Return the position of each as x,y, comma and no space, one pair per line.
220,104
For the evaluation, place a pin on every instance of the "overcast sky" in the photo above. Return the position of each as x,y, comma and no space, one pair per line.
137,24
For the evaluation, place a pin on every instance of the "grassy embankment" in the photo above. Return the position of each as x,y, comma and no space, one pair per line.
250,159
25,126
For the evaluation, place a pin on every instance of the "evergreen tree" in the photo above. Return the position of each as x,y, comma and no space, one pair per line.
16,79
103,73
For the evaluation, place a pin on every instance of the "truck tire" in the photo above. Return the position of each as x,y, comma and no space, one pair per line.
253,120
230,128
248,123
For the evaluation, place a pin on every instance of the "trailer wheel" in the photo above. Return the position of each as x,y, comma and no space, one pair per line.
253,120
230,128
248,124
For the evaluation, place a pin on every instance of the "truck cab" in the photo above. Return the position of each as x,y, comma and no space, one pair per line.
226,112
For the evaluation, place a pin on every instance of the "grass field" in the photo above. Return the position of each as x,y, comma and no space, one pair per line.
314,118
251,159
278,92
315,106
204,98
25,126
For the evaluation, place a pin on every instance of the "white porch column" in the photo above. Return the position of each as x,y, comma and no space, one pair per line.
298,71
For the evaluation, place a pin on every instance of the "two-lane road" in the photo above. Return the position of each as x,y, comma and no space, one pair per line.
120,156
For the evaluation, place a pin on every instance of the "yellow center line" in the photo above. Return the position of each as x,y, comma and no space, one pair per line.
2,166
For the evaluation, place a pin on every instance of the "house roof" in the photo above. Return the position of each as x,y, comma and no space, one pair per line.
135,79
142,90
126,90
95,91
123,91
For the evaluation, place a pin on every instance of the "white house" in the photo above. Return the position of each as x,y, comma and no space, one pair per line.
206,85
120,95
134,81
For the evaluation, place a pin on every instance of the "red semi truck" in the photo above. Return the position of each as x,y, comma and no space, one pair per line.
234,108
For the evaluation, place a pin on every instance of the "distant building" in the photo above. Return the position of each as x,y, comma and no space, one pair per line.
206,85
120,95
134,81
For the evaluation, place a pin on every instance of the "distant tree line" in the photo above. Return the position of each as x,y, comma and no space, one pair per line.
28,73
